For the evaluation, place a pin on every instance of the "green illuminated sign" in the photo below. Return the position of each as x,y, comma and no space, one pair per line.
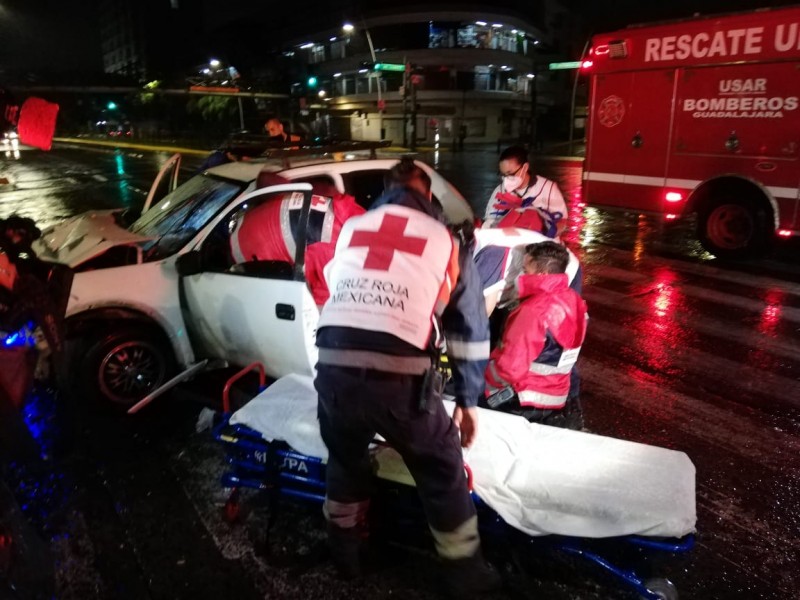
565,65
389,67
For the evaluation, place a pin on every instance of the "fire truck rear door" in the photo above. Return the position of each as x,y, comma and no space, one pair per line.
631,120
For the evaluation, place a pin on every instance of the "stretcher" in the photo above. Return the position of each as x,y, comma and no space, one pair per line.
529,481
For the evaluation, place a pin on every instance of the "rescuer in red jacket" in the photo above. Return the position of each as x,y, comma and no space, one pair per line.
269,230
541,341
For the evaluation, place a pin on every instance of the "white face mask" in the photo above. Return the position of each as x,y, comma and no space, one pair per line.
511,182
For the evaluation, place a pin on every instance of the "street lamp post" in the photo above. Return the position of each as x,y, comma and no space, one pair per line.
378,81
348,28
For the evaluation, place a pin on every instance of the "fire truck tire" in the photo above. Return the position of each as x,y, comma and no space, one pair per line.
119,368
733,228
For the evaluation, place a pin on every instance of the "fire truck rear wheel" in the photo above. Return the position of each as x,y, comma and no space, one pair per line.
733,228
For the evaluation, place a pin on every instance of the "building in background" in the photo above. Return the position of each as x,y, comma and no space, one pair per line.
148,39
432,75
448,68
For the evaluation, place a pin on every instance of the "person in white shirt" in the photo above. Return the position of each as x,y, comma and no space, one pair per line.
521,189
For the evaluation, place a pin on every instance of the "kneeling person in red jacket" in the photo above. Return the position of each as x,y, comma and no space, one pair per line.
528,372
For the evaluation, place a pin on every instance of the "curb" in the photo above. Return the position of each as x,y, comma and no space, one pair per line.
132,146
578,160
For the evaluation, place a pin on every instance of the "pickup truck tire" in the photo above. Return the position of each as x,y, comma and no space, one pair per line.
733,228
121,367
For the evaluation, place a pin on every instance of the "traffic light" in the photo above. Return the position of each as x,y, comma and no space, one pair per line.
111,106
312,82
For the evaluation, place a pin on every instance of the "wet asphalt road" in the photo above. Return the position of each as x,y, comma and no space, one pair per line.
682,352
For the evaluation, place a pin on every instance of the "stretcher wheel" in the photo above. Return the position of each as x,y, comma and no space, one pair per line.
233,507
663,588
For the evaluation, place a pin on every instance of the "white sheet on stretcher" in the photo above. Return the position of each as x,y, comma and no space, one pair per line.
539,479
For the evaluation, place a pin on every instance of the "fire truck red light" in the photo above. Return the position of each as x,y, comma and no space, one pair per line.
784,233
673,197
586,64
670,217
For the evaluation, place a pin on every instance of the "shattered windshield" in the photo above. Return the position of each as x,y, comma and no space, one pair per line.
182,213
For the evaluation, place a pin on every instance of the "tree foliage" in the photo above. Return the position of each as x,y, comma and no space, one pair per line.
213,108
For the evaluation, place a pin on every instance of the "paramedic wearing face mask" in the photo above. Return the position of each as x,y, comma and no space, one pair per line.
521,189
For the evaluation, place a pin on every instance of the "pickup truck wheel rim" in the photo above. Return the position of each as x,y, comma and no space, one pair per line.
130,370
730,226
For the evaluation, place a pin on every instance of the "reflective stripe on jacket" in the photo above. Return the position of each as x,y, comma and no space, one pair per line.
456,311
541,342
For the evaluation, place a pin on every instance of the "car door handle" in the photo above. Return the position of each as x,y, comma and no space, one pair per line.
284,311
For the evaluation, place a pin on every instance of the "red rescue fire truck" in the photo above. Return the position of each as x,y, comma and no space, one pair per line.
700,116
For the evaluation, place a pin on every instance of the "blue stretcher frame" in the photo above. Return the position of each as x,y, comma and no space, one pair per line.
255,463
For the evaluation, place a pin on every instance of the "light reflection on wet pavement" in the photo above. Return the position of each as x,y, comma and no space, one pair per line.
682,352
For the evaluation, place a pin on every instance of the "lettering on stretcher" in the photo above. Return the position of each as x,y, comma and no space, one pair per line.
290,463
294,464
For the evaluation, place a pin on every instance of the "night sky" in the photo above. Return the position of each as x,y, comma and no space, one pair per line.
62,35
606,15
48,35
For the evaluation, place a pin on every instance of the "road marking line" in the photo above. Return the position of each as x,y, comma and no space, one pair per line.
730,431
617,300
708,271
690,360
787,313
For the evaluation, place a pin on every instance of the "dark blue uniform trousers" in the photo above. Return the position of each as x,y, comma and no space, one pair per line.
354,405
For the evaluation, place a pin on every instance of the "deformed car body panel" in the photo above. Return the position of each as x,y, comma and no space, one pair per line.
86,236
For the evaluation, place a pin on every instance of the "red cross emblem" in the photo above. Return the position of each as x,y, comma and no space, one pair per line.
386,241
319,202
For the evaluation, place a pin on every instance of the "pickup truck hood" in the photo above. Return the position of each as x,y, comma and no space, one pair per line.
83,237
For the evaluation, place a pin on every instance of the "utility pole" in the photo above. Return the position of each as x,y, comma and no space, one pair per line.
534,100
378,81
413,144
406,81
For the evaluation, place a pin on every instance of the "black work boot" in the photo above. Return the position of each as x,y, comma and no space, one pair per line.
469,577
347,547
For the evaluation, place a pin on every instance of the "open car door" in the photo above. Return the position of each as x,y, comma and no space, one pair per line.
245,310
165,182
